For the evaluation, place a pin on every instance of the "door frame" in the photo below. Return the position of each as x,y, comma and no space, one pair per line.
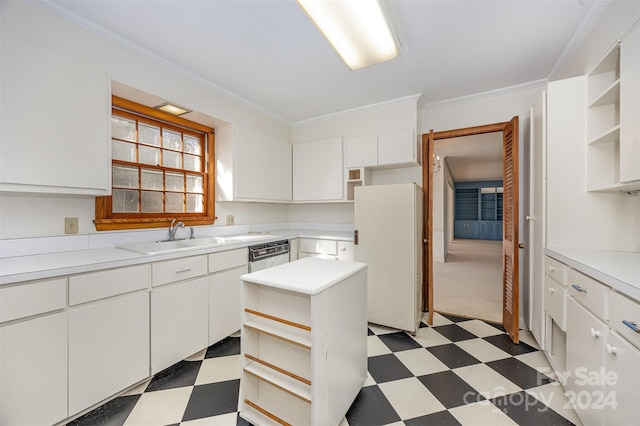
428,140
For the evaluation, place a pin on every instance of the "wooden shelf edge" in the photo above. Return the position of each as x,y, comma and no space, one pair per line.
266,413
294,340
279,381
601,98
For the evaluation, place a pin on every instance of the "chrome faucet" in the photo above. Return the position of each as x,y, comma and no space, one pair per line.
173,228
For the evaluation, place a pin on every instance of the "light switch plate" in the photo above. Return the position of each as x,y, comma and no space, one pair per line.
230,219
70,225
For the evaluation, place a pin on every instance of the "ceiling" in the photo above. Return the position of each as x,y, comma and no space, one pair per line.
472,158
268,53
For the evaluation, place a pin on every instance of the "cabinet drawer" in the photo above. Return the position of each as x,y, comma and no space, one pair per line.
627,310
32,299
227,259
590,293
308,245
555,302
103,284
178,269
555,270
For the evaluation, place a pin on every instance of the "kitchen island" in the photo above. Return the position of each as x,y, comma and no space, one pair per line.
304,341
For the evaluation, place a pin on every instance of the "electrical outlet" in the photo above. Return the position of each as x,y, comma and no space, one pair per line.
230,219
70,225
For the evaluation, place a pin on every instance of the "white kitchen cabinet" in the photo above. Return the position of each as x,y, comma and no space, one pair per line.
108,333
362,151
179,321
555,312
224,292
318,170
303,342
33,371
55,135
251,166
398,147
613,131
622,382
325,249
586,338
393,148
294,245
630,108
346,251
108,348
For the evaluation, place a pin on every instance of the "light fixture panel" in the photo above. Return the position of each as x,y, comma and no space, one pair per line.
172,108
358,30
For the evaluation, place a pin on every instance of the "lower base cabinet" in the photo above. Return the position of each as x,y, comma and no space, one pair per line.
179,322
108,348
33,371
586,337
224,303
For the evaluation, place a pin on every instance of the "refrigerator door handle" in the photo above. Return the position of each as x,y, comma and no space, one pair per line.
355,237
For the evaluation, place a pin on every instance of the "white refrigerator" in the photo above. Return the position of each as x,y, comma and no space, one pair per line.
388,225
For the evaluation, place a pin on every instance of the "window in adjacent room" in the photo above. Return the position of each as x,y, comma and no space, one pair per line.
162,168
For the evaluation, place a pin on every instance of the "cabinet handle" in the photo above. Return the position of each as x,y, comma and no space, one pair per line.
631,325
182,270
552,268
611,350
579,288
595,333
551,290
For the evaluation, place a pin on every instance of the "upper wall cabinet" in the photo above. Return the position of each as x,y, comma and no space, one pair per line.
56,109
251,166
630,108
613,129
396,148
317,170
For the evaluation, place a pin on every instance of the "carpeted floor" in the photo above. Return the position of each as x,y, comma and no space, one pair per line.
469,283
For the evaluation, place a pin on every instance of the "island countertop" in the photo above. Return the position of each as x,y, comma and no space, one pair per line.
308,276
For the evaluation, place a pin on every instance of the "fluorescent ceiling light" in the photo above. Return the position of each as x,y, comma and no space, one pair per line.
357,29
171,109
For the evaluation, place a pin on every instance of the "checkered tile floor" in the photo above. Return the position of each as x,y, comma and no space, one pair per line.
457,372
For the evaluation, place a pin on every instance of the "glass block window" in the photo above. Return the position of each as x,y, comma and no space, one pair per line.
161,169
158,165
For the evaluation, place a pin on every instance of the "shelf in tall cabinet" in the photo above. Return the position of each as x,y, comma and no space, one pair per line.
603,123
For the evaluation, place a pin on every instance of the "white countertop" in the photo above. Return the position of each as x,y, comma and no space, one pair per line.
308,276
619,270
41,266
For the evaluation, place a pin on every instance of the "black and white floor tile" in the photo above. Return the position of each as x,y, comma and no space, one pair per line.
458,372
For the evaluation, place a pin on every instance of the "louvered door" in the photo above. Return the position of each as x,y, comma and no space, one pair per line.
510,270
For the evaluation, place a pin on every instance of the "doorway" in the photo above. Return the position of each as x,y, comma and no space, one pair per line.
510,245
467,231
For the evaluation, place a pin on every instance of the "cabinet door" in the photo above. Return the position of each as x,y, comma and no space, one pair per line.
329,182
179,322
108,349
586,337
346,251
262,167
59,113
362,151
317,170
33,371
224,303
397,147
622,382
304,171
630,107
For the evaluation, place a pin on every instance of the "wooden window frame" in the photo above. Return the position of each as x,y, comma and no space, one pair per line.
106,220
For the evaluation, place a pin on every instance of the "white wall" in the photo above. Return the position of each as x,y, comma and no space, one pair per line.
392,115
25,215
442,212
